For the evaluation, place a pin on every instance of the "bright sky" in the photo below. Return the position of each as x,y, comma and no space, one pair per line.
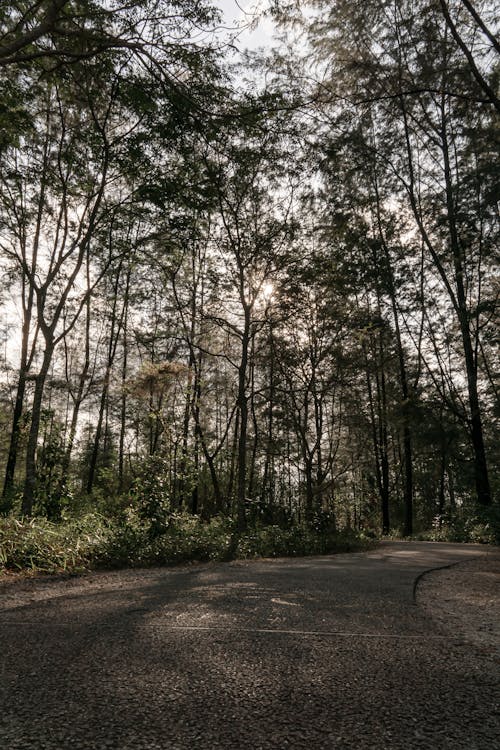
239,14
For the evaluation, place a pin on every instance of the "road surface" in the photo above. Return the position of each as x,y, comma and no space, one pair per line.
323,653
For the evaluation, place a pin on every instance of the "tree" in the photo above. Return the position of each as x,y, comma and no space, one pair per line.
252,242
397,70
94,116
60,32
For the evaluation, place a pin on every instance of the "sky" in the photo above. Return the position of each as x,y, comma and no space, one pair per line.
239,15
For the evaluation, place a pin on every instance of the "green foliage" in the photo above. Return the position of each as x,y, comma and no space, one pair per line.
150,495
52,493
105,479
273,541
479,527
92,541
40,545
14,115
185,539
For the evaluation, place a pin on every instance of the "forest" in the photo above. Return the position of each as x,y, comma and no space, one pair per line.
249,298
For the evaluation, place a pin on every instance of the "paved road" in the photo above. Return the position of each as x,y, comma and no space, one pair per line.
319,653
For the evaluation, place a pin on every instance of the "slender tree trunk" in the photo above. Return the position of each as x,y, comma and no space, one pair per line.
123,397
384,450
451,487
72,429
379,452
78,400
98,432
308,470
114,335
25,363
408,485
123,410
213,473
195,492
27,318
407,438
14,435
318,422
442,477
270,423
31,451
74,422
197,310
255,441
181,482
232,464
243,427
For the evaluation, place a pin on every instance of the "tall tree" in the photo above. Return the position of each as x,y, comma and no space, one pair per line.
398,67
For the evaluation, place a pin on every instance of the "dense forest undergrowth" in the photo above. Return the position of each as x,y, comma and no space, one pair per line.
249,299
94,541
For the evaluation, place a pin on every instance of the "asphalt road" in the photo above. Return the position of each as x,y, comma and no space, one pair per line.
310,654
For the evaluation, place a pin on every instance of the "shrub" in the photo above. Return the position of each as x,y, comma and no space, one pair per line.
41,545
481,526
273,541
184,539
91,541
149,495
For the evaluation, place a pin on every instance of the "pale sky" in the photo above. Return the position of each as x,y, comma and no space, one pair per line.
240,14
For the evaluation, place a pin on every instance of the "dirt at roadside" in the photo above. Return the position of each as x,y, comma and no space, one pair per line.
464,600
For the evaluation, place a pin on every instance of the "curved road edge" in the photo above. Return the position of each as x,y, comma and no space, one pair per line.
463,598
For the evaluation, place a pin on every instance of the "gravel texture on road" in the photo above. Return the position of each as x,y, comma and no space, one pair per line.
327,653
465,600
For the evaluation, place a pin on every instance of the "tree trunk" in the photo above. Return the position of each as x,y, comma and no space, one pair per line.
457,296
309,489
379,450
270,424
407,439
123,398
255,441
98,432
25,363
14,435
31,451
116,326
27,317
243,427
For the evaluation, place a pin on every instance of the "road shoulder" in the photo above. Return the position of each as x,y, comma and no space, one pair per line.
464,601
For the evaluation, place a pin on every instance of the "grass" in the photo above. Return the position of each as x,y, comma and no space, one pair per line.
42,546
94,541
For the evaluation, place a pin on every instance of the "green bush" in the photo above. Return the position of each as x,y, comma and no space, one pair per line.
93,541
273,541
44,546
150,497
185,538
480,527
